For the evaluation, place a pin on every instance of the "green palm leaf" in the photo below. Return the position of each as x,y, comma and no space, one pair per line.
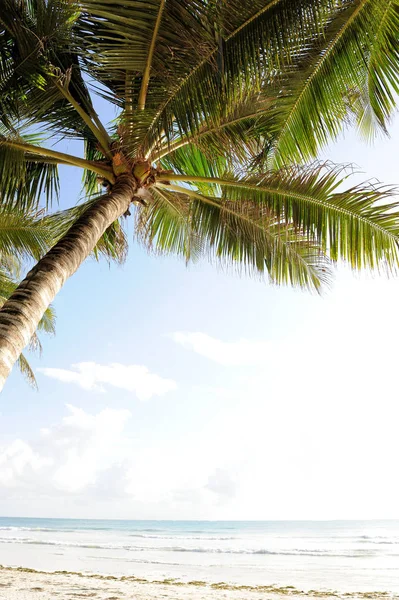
41,73
23,235
244,236
382,75
24,181
353,225
27,371
164,225
319,100
47,322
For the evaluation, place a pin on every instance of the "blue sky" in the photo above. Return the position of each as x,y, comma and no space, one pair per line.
199,394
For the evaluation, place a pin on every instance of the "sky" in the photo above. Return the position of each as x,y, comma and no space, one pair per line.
175,392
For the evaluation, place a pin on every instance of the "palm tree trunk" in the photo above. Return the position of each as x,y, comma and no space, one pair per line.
22,312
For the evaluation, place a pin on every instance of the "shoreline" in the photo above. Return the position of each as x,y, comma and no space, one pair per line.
18,583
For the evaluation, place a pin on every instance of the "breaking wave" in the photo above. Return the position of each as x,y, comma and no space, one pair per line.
356,553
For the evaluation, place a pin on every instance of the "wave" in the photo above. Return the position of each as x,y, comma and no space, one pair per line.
355,553
56,530
181,537
38,529
379,539
374,537
266,552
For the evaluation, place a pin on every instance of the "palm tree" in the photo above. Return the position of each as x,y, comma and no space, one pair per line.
222,104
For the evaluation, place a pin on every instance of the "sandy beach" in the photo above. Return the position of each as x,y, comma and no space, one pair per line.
24,584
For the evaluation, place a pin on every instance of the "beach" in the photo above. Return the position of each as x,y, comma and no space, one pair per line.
112,560
24,584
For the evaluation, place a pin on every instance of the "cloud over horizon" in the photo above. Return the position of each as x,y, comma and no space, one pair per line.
88,461
91,376
67,457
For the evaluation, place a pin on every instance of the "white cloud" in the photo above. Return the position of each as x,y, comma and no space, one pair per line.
91,444
17,460
239,353
93,461
262,458
133,378
69,456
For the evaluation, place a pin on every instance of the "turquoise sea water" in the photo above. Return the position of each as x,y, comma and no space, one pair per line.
347,556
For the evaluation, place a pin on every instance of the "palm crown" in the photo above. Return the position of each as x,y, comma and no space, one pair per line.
221,105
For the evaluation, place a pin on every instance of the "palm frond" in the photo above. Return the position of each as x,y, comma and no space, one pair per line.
242,236
383,75
47,322
23,234
10,266
27,371
192,159
24,181
353,225
7,283
41,72
46,325
122,39
317,101
91,183
35,344
164,225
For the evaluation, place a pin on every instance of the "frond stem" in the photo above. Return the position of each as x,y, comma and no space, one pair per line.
147,70
100,133
253,18
62,158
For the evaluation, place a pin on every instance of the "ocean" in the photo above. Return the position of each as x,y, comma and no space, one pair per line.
346,557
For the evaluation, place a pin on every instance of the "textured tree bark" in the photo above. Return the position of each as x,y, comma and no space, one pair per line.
22,312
